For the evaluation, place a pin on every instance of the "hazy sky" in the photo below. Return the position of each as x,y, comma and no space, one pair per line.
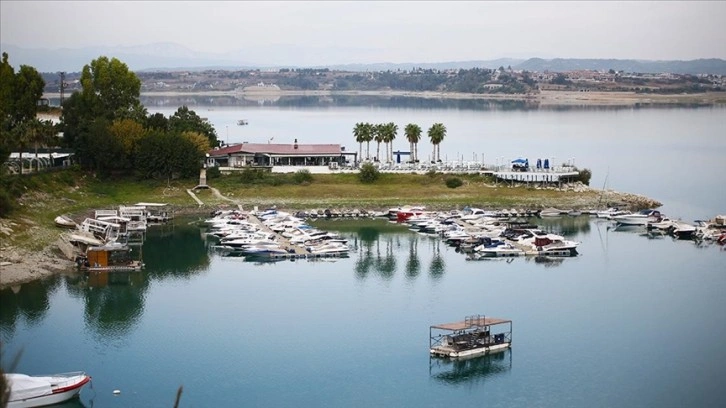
382,31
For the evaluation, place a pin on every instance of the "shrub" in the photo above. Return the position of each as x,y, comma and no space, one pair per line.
302,177
368,173
213,172
453,182
7,203
431,173
251,176
585,176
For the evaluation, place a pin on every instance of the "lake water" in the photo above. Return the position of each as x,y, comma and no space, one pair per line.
673,155
631,321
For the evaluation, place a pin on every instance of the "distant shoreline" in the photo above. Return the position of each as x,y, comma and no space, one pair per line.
567,98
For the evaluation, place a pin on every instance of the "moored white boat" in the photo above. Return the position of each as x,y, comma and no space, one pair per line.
38,391
642,217
64,221
683,230
498,251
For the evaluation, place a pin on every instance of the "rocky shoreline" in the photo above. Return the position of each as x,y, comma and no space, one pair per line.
21,265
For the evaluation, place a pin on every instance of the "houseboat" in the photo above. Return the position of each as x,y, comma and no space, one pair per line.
476,335
109,257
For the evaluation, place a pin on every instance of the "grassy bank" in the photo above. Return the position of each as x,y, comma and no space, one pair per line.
44,196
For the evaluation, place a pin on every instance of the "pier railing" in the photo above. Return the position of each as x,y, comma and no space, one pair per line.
475,321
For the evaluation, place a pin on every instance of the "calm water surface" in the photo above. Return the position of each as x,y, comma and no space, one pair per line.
630,322
671,154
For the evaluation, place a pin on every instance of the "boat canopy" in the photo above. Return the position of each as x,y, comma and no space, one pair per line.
24,386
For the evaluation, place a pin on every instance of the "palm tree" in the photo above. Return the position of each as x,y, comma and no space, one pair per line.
359,133
391,130
378,131
437,133
413,135
367,137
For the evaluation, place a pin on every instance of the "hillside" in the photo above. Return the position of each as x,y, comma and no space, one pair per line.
174,57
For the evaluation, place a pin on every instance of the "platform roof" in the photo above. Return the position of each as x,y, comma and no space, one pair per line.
463,325
288,149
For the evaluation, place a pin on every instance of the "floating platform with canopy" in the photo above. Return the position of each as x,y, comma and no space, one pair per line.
476,335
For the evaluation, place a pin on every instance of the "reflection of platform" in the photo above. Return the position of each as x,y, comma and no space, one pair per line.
469,370
100,279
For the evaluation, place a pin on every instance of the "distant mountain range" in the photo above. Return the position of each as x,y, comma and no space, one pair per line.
174,57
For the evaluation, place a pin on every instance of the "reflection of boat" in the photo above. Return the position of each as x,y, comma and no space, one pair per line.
242,122
38,391
464,370
63,221
476,335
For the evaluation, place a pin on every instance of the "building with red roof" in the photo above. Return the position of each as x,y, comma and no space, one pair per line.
279,154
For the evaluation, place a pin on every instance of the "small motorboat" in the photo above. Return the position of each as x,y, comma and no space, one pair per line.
64,221
242,122
38,391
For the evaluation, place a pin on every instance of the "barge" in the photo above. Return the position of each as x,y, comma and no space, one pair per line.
476,335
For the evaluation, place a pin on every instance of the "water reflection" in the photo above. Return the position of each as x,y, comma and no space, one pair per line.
413,265
437,266
382,101
469,371
175,251
114,302
29,302
564,225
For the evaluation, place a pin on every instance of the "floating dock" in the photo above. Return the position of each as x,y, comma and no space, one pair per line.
476,335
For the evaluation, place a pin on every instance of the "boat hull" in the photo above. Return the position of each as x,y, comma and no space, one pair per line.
447,352
59,395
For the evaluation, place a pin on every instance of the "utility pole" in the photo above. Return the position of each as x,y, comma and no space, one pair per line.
62,86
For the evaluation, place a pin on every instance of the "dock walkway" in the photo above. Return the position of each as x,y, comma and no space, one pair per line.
293,250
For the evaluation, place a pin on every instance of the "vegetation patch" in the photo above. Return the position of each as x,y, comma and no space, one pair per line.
453,182
368,173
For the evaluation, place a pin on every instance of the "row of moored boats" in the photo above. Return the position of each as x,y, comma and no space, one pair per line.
655,222
485,234
272,234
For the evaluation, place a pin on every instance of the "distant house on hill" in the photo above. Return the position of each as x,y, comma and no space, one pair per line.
278,156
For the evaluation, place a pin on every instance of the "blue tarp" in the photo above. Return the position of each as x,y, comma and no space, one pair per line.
520,161
547,163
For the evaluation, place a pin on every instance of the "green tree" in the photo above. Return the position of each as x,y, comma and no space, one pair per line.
186,120
99,149
168,155
413,135
127,132
28,86
157,121
7,88
110,90
19,95
437,133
